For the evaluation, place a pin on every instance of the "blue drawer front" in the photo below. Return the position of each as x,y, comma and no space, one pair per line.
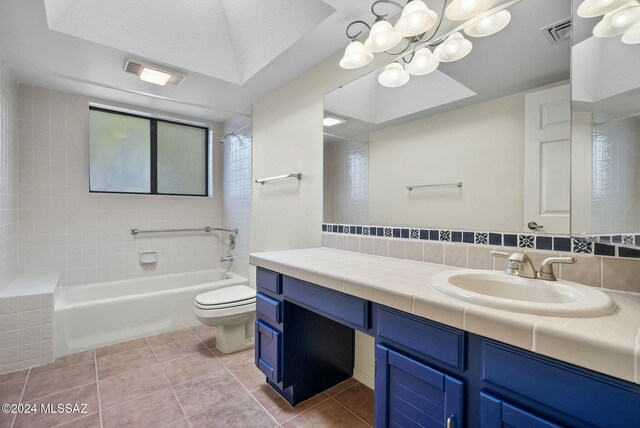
445,344
495,413
268,309
348,310
268,281
410,393
587,396
269,351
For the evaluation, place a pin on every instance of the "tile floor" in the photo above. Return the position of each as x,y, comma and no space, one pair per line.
175,379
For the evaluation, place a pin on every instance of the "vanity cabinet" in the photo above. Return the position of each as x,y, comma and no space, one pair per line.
410,393
427,373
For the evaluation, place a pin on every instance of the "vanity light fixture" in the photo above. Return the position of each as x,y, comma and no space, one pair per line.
462,10
620,17
489,25
415,27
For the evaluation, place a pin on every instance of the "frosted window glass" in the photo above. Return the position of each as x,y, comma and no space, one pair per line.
182,159
120,153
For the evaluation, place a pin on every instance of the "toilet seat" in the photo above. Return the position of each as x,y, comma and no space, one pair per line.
228,297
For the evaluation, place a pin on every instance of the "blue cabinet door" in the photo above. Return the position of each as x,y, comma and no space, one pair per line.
495,413
411,394
269,351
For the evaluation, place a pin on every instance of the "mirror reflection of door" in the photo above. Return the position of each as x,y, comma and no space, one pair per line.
547,160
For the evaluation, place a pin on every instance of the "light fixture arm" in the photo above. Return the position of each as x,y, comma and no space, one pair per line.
353,37
381,16
409,44
441,18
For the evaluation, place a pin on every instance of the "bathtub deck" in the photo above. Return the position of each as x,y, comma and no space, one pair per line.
175,379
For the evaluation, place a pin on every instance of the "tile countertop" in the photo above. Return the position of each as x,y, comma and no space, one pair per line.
609,344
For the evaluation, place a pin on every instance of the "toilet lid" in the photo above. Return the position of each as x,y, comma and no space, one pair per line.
236,295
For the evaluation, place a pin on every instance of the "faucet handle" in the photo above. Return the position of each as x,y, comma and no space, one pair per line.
546,269
501,254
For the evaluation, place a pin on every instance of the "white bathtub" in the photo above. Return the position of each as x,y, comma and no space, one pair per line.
88,316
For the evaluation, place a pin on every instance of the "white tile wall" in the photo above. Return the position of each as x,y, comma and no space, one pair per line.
8,176
26,325
86,237
346,183
237,189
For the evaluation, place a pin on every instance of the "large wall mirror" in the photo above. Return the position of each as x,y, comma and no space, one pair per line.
605,89
479,144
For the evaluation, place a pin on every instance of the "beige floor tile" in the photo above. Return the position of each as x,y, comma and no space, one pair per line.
87,394
121,347
207,334
53,381
118,389
230,360
10,393
153,410
248,375
240,412
278,406
201,393
359,400
176,344
329,414
192,366
66,361
341,386
124,362
22,374
89,421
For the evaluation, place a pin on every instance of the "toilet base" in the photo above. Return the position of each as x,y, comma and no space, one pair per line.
234,338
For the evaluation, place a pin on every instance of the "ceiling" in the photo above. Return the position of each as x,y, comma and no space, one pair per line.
233,52
517,59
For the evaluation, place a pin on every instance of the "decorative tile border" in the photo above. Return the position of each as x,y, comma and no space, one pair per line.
600,245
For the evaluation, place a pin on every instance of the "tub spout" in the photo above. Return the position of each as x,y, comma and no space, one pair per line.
226,259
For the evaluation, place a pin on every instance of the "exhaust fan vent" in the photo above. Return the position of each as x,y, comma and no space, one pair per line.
558,32
136,67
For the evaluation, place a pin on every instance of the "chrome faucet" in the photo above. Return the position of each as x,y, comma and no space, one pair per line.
519,264
226,259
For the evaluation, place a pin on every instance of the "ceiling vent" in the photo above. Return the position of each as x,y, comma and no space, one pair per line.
153,73
555,33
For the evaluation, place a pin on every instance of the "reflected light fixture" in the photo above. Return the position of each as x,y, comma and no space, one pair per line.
620,17
417,30
463,10
423,62
152,75
393,75
454,47
489,25
332,121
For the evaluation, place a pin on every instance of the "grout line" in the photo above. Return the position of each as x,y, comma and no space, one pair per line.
95,359
169,382
59,392
349,410
24,388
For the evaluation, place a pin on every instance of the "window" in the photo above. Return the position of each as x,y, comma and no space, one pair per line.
138,154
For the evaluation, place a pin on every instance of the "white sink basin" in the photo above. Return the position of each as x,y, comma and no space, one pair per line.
533,296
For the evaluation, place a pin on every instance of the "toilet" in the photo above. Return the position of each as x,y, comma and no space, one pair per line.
232,310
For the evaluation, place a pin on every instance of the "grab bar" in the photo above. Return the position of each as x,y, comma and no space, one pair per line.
207,229
457,184
297,175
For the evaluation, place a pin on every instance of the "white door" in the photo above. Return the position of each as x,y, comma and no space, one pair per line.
547,160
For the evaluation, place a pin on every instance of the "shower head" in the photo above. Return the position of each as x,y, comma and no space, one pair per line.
230,134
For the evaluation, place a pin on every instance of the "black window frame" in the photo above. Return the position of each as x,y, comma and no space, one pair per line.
153,125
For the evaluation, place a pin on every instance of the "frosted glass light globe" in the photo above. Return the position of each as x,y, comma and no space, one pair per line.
489,25
393,76
619,20
632,35
455,47
593,8
462,10
355,56
416,18
382,37
423,62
